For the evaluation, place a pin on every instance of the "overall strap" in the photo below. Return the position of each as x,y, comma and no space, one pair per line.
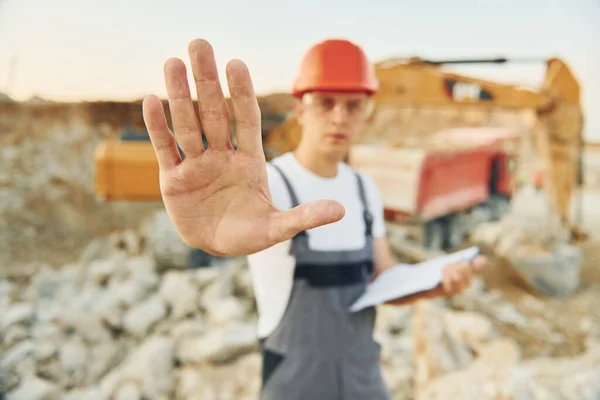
292,193
367,216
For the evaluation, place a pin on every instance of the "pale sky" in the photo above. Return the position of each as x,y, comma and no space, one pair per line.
70,50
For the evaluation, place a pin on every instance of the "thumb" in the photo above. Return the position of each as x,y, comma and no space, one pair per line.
286,224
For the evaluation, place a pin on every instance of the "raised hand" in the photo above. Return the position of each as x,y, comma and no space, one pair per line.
218,198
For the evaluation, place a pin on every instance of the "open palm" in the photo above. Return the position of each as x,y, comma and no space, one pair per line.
218,198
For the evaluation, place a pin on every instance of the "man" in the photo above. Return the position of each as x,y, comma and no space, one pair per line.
312,227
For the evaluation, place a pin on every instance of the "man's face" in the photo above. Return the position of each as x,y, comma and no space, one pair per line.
332,122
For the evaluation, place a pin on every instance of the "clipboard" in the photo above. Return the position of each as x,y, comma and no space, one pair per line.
407,279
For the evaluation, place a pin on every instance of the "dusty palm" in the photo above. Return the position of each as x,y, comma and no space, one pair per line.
218,198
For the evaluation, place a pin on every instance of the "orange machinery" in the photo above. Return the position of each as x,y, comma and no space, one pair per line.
444,188
127,169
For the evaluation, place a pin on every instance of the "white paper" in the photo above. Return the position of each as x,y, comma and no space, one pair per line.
404,280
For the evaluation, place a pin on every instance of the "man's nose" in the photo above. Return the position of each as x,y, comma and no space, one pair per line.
340,113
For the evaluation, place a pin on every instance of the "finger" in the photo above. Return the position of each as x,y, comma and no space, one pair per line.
283,225
161,137
463,272
245,107
214,113
478,263
455,278
465,277
185,123
447,280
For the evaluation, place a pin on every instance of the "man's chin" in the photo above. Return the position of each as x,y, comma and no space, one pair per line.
335,151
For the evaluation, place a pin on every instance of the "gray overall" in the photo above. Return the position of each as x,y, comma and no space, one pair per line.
319,350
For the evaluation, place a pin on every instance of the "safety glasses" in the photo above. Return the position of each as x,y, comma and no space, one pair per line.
323,104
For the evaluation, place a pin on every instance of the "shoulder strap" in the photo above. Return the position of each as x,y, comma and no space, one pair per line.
367,216
291,191
293,197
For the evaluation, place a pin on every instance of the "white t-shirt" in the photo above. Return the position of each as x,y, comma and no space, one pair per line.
272,269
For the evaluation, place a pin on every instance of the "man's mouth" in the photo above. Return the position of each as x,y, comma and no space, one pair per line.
338,136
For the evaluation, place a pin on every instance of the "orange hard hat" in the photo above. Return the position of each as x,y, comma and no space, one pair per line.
335,65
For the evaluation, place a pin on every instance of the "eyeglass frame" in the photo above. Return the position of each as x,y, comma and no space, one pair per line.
310,99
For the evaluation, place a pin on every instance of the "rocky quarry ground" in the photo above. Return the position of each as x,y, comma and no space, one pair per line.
87,313
113,326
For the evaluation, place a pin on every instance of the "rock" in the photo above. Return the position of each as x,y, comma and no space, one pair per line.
128,292
106,356
48,339
218,345
18,362
128,241
109,310
46,283
243,285
15,334
142,266
90,393
165,244
536,244
554,273
52,312
398,379
18,313
436,352
508,314
487,233
7,291
151,364
224,311
128,390
206,276
143,316
96,249
223,286
247,377
393,319
50,369
102,270
501,377
90,328
86,301
34,388
182,329
74,358
568,377
469,328
190,384
220,288
180,293
500,352
396,349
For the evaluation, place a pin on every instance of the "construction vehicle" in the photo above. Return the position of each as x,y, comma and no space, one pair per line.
444,188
